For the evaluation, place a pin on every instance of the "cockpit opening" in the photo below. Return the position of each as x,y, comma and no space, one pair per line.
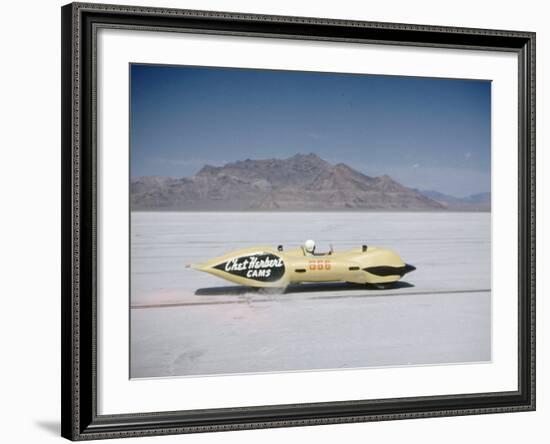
309,249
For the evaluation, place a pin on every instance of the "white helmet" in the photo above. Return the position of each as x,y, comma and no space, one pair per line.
309,246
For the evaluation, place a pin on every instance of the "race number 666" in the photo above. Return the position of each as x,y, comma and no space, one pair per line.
319,265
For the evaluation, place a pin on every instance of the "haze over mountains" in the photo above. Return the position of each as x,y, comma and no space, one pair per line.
301,182
474,202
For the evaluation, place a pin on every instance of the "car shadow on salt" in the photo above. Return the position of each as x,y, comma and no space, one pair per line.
299,288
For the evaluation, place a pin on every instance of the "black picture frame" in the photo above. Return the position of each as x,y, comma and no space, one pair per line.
79,211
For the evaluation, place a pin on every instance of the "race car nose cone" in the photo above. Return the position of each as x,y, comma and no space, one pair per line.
409,268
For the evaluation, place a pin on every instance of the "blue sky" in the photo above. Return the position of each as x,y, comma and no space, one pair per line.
426,133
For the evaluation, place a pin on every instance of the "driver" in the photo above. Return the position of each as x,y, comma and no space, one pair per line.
309,247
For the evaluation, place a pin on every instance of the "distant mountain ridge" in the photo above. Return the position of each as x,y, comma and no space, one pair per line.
474,202
301,182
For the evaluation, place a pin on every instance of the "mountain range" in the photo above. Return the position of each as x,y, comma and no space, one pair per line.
301,182
474,202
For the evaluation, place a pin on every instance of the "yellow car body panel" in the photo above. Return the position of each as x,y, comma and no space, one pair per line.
265,267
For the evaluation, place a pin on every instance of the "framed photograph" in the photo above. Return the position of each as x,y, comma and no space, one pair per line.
280,221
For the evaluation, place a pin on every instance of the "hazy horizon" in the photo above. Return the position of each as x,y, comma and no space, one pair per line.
183,118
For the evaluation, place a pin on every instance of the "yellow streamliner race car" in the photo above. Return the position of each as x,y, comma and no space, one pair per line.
268,267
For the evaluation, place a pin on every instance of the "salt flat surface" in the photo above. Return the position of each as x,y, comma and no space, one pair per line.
184,322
